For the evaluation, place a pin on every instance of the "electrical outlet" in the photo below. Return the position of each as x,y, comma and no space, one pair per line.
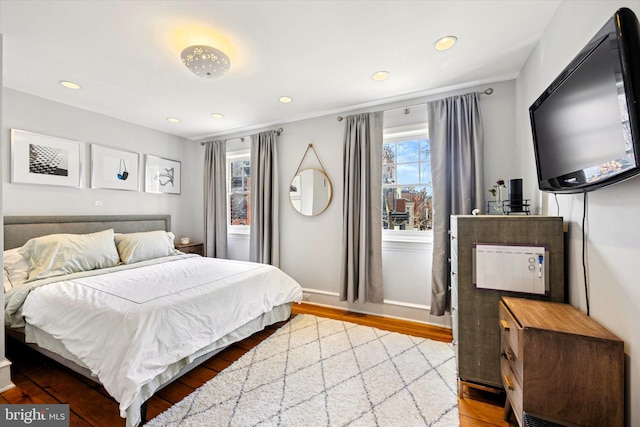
97,203
305,297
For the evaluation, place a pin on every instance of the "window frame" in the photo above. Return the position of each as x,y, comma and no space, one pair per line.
235,156
401,134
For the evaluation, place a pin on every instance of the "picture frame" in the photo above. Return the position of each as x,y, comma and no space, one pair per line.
162,175
114,169
44,160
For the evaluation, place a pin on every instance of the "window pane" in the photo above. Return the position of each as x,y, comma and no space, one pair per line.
408,151
408,174
389,174
239,206
406,181
425,150
425,172
236,169
389,153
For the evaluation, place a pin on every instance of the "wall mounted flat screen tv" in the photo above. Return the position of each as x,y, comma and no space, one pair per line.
586,128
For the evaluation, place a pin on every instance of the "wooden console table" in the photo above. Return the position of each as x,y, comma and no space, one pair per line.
560,365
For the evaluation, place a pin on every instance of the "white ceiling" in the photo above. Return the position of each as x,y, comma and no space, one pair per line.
126,55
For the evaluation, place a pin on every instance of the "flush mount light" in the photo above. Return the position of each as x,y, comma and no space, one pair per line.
205,61
380,75
445,42
286,99
173,120
69,85
217,115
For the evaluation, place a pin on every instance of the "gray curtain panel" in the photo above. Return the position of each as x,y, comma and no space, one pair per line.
215,199
457,145
264,240
361,273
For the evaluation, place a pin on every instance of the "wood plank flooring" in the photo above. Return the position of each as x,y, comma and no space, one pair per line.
41,380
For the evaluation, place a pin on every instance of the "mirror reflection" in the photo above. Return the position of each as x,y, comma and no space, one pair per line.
310,192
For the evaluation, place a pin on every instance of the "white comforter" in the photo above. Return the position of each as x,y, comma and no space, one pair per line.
128,325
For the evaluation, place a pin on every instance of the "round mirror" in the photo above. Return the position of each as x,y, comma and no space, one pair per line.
310,192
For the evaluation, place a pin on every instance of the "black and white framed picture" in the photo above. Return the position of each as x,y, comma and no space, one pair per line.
161,175
114,169
43,159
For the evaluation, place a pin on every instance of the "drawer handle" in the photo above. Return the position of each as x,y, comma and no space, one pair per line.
508,354
508,382
505,325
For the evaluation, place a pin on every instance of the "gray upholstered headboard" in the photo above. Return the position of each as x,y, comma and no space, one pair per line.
19,229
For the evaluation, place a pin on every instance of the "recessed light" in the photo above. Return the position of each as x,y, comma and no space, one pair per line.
173,120
286,99
380,75
69,85
217,115
445,42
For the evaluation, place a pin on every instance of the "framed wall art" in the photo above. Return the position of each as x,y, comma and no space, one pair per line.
114,169
43,159
161,175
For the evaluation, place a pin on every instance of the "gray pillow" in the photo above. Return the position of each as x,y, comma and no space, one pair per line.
58,254
136,247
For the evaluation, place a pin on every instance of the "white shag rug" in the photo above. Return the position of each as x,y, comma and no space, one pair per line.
315,371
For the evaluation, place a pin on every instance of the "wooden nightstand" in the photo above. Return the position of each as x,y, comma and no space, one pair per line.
559,364
191,248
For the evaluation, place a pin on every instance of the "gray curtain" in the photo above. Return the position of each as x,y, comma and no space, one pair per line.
215,199
361,272
456,140
264,240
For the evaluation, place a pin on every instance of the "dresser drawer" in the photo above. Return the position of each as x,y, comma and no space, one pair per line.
510,330
513,387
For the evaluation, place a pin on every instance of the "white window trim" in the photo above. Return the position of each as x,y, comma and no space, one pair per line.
408,236
233,156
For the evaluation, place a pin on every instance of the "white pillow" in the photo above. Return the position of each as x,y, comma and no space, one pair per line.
58,254
136,247
16,268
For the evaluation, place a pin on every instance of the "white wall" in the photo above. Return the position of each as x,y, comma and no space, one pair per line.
311,246
34,114
613,233
5,371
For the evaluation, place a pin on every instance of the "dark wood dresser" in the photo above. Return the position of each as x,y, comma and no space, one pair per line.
474,311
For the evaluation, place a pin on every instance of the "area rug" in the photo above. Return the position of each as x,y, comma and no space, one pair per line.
315,371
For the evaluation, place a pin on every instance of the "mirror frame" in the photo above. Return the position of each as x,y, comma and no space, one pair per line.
330,189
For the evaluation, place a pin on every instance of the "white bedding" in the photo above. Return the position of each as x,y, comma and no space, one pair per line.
128,325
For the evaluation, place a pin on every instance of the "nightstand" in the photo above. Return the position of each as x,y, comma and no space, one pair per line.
560,365
191,248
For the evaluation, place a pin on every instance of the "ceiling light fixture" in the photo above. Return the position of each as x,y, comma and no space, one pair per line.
69,85
173,120
380,75
217,115
445,42
205,61
286,99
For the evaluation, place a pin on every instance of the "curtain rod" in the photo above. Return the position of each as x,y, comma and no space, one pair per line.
487,91
278,132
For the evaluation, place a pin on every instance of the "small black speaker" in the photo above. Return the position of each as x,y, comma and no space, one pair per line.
515,195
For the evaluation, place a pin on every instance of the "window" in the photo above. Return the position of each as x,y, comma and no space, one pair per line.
406,182
239,191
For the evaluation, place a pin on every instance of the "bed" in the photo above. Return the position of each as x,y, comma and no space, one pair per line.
110,297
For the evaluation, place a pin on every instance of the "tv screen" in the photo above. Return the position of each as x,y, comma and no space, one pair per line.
585,126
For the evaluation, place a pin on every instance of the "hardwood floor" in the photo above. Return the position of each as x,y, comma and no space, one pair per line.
40,380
